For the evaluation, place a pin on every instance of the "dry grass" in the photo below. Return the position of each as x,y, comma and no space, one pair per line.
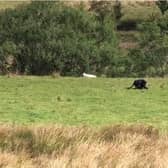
12,3
118,146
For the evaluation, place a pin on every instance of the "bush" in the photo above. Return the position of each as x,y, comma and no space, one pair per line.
46,37
150,58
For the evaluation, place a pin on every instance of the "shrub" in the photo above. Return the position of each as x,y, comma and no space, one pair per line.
46,37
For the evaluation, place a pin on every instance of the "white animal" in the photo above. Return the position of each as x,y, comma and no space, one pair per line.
89,75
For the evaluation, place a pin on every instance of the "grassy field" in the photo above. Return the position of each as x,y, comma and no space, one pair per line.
75,101
82,147
138,11
11,4
65,123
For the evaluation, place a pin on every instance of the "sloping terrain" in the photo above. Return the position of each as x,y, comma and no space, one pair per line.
133,12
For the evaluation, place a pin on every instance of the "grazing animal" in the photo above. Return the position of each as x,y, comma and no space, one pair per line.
139,84
89,75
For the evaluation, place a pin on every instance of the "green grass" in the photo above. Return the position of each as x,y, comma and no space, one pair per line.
139,12
76,101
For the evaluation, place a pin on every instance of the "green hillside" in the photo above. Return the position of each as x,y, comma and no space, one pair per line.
131,12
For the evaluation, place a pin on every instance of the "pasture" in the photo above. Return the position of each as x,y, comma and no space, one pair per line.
54,121
82,101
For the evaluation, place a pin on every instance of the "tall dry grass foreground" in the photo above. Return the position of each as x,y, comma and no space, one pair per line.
118,146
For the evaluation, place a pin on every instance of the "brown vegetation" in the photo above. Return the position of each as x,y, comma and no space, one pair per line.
56,146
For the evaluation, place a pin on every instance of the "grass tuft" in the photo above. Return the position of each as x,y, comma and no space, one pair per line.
57,146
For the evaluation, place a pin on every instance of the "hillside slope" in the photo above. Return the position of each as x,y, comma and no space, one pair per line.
133,12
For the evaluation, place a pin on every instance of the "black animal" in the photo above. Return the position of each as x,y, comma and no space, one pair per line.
139,84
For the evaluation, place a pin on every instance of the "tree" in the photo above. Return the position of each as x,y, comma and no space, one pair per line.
117,10
151,57
8,64
50,36
163,5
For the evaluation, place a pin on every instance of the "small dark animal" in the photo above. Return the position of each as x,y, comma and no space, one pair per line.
139,84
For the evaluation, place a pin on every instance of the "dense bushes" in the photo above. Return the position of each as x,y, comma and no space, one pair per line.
47,36
150,58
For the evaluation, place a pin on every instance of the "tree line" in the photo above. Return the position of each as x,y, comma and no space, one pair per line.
45,37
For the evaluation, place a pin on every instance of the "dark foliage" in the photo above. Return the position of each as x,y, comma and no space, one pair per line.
46,37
